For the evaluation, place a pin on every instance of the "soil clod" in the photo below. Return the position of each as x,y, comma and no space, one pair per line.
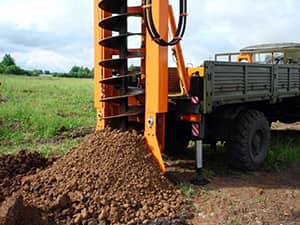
13,211
14,167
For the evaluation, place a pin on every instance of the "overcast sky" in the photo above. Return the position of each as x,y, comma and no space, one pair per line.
57,34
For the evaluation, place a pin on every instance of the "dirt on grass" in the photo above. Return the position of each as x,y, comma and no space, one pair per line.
63,133
2,100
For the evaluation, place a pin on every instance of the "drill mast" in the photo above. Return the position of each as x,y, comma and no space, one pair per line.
139,98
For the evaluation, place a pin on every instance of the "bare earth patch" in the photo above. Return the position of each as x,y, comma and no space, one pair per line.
260,199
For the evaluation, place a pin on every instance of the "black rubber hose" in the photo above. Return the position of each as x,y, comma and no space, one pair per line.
181,27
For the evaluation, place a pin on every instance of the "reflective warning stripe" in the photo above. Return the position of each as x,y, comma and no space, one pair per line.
195,126
195,130
195,100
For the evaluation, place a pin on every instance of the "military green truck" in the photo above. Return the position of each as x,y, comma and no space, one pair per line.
239,96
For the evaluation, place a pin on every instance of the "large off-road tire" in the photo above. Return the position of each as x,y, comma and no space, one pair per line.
250,142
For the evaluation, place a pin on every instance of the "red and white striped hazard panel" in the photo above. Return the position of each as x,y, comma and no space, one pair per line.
195,100
195,129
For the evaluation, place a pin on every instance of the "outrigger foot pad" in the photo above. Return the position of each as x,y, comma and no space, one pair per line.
199,180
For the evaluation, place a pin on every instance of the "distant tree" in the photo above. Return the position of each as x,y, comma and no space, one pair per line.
92,73
8,61
80,72
131,67
74,70
8,66
2,68
47,72
13,69
37,72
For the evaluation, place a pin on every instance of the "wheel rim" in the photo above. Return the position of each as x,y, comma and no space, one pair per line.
257,143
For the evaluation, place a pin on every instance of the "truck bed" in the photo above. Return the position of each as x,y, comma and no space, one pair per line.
233,83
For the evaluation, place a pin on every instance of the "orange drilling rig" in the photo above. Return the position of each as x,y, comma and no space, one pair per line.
137,98
231,102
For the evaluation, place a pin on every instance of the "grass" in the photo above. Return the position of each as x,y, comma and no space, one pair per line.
285,150
235,222
187,189
37,108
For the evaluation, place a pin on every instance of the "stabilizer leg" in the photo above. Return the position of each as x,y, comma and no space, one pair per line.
199,179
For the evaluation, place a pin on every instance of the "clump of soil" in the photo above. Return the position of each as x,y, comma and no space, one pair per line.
14,167
110,178
14,212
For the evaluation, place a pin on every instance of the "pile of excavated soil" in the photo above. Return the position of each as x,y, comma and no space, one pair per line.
110,178
14,167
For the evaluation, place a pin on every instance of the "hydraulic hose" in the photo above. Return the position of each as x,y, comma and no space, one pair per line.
181,27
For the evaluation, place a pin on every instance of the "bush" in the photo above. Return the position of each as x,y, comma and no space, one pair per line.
2,68
9,66
80,72
76,72
13,69
8,61
36,72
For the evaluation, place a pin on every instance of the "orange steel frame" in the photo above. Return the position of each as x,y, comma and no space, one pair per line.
183,76
154,67
157,84
100,72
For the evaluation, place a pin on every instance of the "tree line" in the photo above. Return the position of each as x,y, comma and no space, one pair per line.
8,66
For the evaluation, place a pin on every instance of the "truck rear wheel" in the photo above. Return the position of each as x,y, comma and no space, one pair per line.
250,142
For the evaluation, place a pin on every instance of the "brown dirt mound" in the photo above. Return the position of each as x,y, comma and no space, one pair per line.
110,178
14,167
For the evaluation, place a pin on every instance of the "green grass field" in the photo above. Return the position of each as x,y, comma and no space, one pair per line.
34,111
40,113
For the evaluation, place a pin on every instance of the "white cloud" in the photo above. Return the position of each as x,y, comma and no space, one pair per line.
220,26
49,34
56,34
